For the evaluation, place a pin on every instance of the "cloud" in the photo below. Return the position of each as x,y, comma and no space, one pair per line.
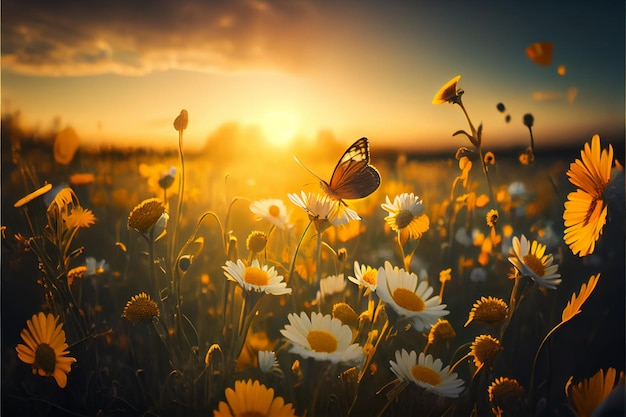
136,37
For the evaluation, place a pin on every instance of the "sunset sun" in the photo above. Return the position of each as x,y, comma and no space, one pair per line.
279,127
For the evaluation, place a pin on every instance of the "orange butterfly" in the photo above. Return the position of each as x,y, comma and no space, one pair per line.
353,176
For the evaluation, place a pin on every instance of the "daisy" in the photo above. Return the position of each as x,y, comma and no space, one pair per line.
364,276
586,209
79,217
332,284
95,267
449,92
529,259
441,331
406,215
272,210
484,349
256,241
408,297
323,210
507,397
145,214
321,337
587,395
427,373
141,308
46,348
256,277
252,399
267,360
488,310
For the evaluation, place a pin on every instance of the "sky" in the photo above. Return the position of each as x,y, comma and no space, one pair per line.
120,71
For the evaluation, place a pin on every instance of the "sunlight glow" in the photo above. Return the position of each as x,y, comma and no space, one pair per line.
279,127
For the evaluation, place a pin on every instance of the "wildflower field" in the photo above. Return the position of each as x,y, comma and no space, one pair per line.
228,282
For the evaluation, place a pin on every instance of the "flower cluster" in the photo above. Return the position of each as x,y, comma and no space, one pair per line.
424,290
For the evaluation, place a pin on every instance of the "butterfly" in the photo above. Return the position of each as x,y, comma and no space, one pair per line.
353,176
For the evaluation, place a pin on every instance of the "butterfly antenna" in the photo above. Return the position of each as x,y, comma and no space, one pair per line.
305,167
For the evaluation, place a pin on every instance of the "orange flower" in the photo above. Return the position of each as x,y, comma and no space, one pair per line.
45,348
585,209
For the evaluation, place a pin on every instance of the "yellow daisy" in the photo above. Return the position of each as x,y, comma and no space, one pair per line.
145,214
253,399
79,217
322,338
488,310
426,372
46,348
441,331
406,215
588,394
585,209
529,259
449,92
507,397
492,217
141,308
364,276
484,349
256,241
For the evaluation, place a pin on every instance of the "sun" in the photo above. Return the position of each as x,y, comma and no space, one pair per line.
279,127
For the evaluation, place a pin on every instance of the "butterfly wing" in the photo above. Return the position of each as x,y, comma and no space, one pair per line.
353,176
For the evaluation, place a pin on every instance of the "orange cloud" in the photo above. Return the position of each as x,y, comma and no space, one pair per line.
136,38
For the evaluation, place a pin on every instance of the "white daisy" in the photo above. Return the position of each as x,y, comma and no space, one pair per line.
256,278
332,284
267,360
95,267
426,373
408,297
406,215
529,258
321,337
273,210
321,208
364,276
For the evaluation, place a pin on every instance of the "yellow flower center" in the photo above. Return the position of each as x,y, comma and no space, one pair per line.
404,218
370,276
45,358
322,341
427,375
255,276
408,299
535,264
274,210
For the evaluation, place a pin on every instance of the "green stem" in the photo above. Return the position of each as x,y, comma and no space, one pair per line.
532,373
